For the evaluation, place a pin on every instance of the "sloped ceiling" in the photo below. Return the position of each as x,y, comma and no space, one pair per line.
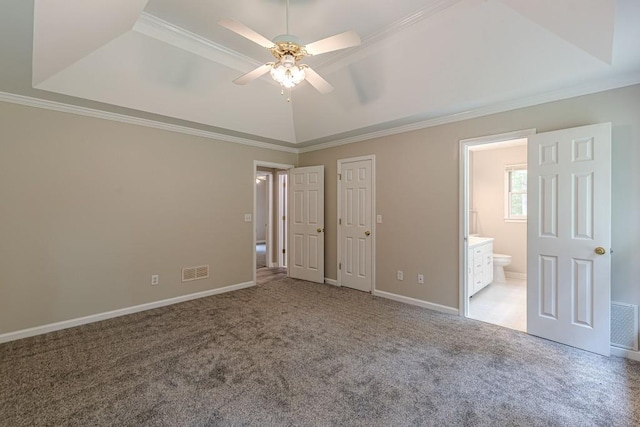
419,60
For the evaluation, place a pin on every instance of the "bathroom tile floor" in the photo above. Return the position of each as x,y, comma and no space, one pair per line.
503,304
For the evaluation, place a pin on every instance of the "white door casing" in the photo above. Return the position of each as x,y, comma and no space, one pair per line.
306,223
355,223
569,216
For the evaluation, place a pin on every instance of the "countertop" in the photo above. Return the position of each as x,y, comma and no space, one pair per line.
476,240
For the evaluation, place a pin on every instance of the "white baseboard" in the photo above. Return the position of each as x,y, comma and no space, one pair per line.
629,354
328,281
39,330
261,242
418,302
515,275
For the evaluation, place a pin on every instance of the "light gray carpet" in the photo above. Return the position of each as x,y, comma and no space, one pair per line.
296,353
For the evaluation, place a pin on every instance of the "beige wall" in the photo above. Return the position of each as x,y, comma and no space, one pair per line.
90,209
417,192
487,175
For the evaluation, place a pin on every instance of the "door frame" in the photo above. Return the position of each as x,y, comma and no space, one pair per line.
371,157
264,164
283,223
463,233
269,211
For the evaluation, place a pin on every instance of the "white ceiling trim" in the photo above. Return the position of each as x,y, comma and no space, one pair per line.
174,35
558,95
90,112
600,86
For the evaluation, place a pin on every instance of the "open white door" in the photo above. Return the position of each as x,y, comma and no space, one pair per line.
355,253
569,237
306,222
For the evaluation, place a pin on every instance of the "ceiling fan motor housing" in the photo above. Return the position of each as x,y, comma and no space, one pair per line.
287,45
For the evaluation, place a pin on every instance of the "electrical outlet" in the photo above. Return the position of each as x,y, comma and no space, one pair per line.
400,275
247,217
155,279
421,279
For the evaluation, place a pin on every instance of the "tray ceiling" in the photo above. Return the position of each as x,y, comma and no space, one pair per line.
419,60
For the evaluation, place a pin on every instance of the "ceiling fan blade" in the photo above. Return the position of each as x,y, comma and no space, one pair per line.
246,32
252,75
337,42
317,81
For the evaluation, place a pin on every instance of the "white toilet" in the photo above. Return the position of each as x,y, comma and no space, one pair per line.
499,262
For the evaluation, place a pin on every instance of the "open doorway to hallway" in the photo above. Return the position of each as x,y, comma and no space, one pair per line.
270,221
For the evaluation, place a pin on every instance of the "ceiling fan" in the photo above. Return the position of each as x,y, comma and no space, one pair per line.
288,51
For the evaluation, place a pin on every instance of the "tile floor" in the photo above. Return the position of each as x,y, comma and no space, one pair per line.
503,304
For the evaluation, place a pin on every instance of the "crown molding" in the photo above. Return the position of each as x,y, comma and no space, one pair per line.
90,112
586,89
166,32
558,95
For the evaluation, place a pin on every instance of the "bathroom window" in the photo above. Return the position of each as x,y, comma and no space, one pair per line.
515,193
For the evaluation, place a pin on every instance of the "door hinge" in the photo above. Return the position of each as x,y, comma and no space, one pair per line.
284,217
339,266
340,176
284,251
340,221
284,185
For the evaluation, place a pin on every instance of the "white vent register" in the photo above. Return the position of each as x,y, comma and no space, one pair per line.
624,325
195,273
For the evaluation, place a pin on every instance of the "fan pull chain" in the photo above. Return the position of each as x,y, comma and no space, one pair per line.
288,94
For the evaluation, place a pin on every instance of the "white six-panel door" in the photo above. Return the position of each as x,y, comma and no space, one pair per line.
569,227
355,222
306,222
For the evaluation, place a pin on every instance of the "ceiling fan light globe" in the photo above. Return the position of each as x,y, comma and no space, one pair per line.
297,74
278,73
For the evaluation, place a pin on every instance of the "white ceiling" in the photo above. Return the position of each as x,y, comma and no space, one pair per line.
419,60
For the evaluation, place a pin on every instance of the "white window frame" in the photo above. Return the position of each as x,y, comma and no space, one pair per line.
507,193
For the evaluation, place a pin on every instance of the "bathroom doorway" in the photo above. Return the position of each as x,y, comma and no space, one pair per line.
495,224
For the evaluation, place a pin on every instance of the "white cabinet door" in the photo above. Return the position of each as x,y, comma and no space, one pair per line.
306,222
569,219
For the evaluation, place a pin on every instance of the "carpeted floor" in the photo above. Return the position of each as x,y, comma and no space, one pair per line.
297,353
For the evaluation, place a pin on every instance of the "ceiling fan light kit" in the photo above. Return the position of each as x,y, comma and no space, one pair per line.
286,48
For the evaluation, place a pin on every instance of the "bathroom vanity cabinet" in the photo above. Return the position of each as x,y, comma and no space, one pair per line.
480,263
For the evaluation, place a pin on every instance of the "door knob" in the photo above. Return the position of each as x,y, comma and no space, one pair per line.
367,233
600,250
320,230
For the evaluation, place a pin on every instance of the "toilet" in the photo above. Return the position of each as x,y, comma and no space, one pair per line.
499,262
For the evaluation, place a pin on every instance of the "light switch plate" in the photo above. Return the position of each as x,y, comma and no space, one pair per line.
247,217
379,219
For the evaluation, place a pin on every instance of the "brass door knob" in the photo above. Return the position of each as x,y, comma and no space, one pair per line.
600,250
367,233
320,230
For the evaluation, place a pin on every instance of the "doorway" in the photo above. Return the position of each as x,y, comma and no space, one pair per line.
497,224
269,229
568,286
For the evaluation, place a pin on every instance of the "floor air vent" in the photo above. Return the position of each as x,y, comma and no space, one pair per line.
624,325
195,273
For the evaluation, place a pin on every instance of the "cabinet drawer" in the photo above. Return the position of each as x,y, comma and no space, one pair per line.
477,251
487,248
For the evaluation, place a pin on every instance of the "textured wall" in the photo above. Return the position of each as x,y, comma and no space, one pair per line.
90,209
